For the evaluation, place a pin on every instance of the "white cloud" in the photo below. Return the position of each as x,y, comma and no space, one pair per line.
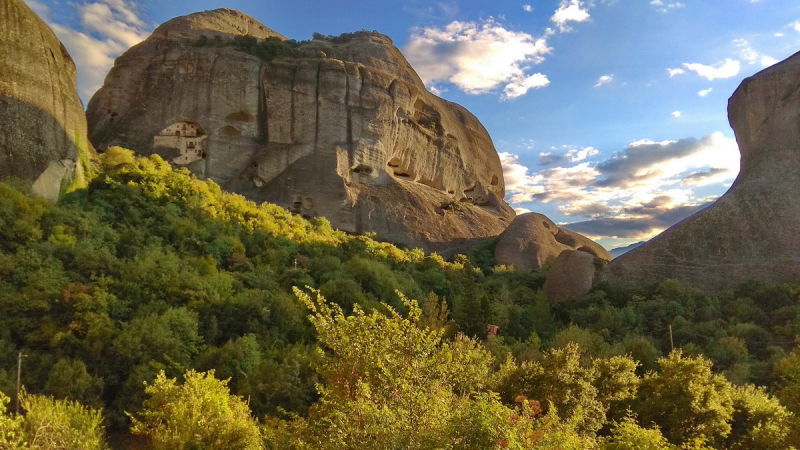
527,8
796,26
39,8
674,72
640,190
747,52
520,86
605,79
665,7
577,155
477,57
675,113
108,28
723,69
767,61
704,92
569,11
778,34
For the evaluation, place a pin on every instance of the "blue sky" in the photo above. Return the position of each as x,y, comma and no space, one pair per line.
609,115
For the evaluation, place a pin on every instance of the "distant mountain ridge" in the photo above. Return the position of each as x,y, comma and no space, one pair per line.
619,251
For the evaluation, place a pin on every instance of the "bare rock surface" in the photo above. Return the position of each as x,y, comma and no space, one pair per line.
42,122
573,274
341,128
753,231
532,240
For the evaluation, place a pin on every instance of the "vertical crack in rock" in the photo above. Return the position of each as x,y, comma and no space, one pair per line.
316,108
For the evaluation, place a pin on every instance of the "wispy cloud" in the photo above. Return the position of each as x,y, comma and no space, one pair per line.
723,69
478,58
107,29
674,72
664,7
675,113
527,8
605,79
705,92
569,11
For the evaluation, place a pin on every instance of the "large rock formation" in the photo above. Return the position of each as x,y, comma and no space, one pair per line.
753,231
573,274
532,240
336,127
42,123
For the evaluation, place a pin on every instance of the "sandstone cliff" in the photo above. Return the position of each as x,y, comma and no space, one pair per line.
753,231
42,123
336,127
532,240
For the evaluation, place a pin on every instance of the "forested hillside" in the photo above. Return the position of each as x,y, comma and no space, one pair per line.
125,295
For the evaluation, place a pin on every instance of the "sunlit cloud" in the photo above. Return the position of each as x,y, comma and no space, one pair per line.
478,57
107,29
520,86
675,113
723,69
527,8
641,190
704,92
767,61
569,11
605,79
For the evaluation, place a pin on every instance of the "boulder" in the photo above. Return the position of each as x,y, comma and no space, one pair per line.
753,231
573,274
42,122
532,240
336,127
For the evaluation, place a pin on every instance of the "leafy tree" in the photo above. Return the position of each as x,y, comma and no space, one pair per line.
12,436
686,400
759,420
69,379
394,384
628,435
200,413
51,423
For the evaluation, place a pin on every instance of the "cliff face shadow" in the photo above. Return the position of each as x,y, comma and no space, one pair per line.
30,139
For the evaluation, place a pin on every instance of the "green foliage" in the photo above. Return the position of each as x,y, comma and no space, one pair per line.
628,435
394,384
12,435
759,420
200,413
149,269
266,49
687,400
51,423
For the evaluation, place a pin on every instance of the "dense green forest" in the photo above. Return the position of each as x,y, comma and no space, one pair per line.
156,304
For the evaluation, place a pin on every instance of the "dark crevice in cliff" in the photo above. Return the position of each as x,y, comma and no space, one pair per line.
316,109
348,110
263,114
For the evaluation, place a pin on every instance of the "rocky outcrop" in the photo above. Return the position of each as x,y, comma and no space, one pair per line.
753,231
573,274
42,123
532,240
336,127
